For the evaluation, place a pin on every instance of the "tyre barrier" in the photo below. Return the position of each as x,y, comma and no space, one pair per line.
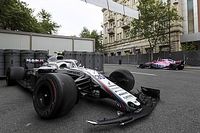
17,58
42,55
98,61
87,59
12,58
90,60
24,55
2,71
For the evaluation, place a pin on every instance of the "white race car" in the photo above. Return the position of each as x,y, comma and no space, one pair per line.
58,84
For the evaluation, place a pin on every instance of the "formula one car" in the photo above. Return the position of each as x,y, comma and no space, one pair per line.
164,64
58,84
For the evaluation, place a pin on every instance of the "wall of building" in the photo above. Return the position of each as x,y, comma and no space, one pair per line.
191,23
52,43
116,39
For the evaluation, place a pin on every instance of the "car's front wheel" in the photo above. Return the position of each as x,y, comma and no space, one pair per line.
123,78
54,95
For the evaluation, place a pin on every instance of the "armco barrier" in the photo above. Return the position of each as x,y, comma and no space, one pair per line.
26,54
12,58
2,71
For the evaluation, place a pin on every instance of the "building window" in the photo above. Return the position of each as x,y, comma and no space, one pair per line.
126,34
112,25
119,36
190,16
112,54
118,23
112,38
118,53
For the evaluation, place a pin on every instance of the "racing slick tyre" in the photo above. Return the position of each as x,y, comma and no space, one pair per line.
54,95
173,66
180,67
123,78
142,66
13,74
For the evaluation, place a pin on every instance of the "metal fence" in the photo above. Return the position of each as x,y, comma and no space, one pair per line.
190,57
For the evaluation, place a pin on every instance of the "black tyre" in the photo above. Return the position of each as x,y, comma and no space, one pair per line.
54,95
142,66
180,67
13,74
123,78
173,66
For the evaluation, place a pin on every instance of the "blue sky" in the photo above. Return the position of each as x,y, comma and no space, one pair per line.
72,15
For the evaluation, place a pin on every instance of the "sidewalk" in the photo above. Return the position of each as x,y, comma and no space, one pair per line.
192,67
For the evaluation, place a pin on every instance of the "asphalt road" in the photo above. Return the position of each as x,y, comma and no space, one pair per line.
177,111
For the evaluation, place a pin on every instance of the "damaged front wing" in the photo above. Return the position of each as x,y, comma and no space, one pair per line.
148,98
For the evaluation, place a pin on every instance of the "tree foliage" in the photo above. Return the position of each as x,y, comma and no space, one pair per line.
85,33
189,46
15,15
155,20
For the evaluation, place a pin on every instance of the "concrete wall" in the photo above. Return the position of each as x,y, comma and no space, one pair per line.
83,45
14,41
52,43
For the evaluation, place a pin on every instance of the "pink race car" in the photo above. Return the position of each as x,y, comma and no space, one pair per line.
164,64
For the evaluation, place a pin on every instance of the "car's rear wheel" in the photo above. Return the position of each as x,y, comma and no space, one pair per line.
123,78
13,74
173,66
180,67
54,95
142,66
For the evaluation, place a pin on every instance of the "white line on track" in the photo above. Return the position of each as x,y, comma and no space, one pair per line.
147,74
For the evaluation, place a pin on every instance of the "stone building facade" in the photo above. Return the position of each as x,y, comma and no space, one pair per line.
116,27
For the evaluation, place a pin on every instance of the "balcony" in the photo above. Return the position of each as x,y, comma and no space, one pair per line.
125,25
111,31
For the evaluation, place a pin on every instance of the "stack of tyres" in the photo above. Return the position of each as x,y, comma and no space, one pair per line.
98,61
89,60
81,57
12,58
40,55
24,55
2,72
69,55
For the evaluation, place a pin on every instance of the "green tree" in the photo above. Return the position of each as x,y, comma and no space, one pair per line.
15,15
189,46
155,20
85,33
47,25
